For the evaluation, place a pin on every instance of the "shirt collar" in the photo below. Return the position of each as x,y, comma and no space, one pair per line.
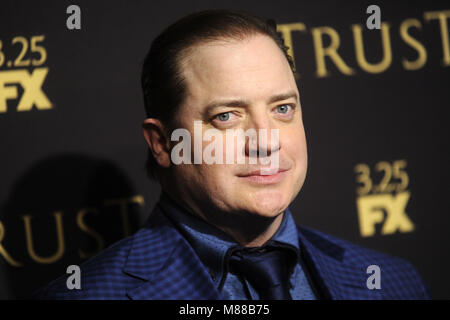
210,243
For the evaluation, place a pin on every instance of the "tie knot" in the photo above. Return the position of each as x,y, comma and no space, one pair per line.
267,268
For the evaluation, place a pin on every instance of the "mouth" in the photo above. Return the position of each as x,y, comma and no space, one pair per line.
257,177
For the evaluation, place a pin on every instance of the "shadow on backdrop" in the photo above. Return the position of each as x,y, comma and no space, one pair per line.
61,211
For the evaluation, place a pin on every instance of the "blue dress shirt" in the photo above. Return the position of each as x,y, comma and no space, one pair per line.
212,244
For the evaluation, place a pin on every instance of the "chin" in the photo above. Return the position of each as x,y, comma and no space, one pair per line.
268,203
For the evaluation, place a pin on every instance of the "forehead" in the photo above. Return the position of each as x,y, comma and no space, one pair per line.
253,68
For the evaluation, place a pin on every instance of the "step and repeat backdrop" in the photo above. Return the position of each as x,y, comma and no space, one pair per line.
375,92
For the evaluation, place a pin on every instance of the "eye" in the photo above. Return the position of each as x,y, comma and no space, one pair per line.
224,119
223,116
284,108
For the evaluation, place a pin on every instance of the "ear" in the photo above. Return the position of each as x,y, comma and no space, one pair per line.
157,141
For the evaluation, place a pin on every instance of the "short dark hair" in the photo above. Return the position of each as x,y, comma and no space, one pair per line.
162,83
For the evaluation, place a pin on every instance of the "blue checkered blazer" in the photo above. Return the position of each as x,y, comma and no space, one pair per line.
158,263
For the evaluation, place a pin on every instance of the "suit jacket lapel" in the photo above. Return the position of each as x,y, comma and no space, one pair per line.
335,278
166,264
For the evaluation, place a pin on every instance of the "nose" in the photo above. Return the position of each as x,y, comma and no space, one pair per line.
265,138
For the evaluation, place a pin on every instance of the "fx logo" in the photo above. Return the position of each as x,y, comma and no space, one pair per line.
32,89
74,280
388,209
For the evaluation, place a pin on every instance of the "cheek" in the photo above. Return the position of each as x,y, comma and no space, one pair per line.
201,180
213,176
294,143
296,151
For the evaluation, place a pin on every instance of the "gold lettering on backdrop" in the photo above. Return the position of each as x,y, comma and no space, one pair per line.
442,16
363,177
31,52
94,234
371,208
80,217
359,49
32,89
60,240
3,251
286,31
421,51
123,205
388,196
330,51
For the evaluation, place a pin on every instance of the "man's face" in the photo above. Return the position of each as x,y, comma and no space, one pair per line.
254,74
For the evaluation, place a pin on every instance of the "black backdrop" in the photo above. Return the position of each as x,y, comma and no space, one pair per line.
72,178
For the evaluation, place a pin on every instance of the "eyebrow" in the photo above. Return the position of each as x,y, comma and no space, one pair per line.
243,103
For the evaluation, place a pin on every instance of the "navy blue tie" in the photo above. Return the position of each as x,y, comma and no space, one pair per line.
267,269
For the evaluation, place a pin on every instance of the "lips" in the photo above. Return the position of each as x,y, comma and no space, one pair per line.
257,177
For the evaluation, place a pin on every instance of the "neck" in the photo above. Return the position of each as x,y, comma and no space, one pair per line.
254,231
248,229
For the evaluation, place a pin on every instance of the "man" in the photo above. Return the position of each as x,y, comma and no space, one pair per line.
224,230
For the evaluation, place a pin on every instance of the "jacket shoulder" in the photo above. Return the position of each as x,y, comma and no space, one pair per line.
101,277
399,277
